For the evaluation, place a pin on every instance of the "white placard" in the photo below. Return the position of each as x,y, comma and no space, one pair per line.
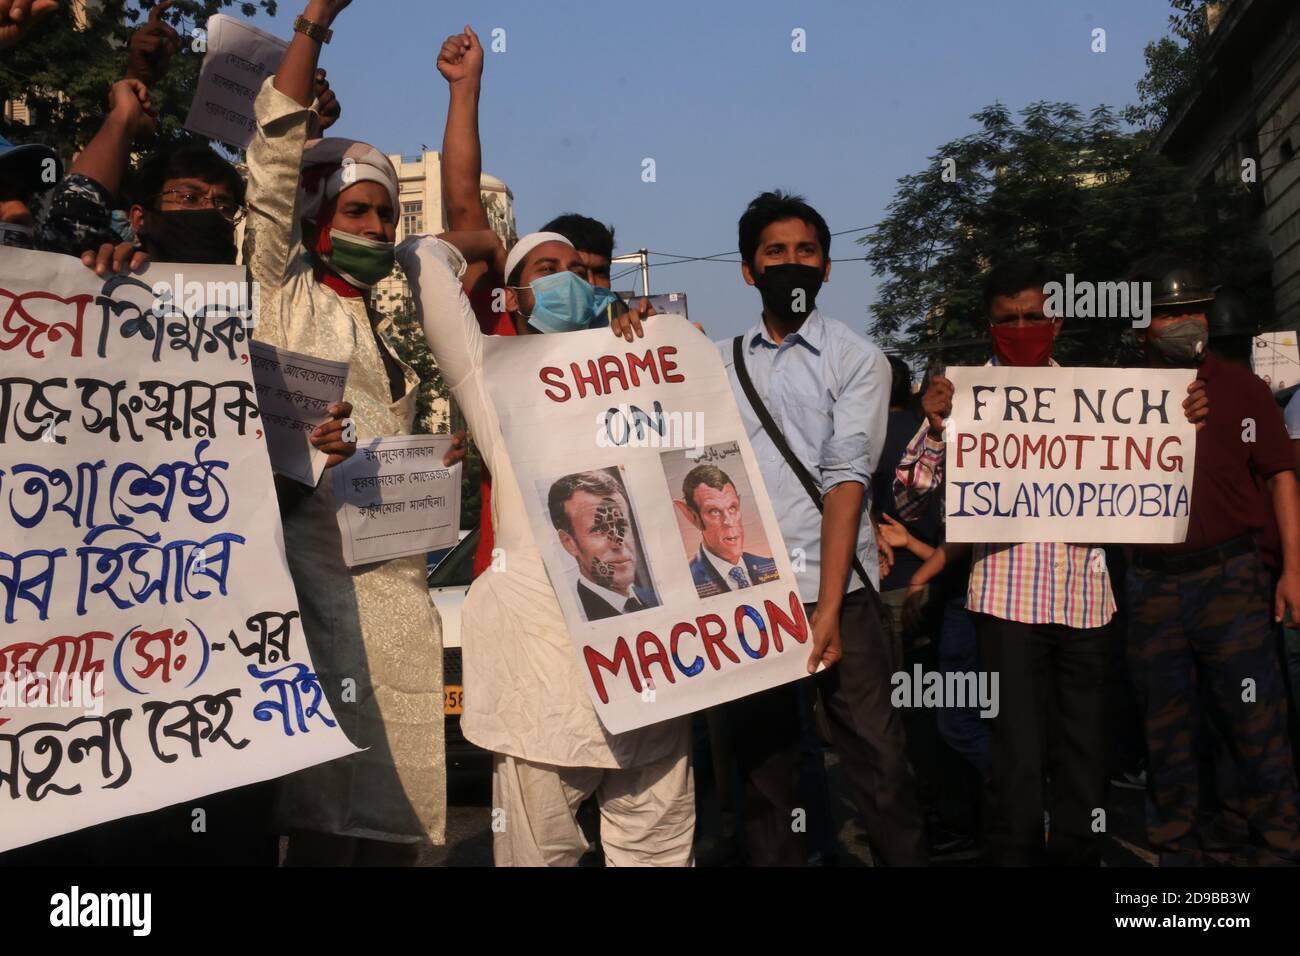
294,393
604,437
239,57
1086,455
395,498
151,650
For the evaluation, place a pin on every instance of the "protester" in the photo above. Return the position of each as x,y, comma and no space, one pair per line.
460,61
321,223
525,697
1203,612
829,390
1043,614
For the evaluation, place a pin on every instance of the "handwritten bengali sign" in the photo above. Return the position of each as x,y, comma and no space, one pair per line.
395,498
673,603
239,57
294,393
151,650
1086,455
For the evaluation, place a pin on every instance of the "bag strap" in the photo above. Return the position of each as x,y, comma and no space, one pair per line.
778,439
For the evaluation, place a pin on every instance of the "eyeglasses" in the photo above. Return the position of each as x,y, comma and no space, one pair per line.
190,199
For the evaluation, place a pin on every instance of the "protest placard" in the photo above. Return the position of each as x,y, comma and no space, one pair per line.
151,650
1275,358
239,57
651,516
1087,455
294,393
395,498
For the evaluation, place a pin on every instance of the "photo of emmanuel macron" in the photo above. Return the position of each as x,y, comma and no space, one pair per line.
711,504
590,513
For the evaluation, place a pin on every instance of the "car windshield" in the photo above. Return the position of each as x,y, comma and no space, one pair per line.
457,568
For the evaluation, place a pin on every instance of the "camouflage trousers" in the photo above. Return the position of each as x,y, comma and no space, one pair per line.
1207,635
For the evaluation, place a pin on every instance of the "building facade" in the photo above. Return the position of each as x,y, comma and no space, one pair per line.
1238,129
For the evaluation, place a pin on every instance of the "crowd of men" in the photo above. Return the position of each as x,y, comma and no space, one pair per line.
1123,670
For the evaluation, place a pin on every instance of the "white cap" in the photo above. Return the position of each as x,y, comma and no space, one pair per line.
526,245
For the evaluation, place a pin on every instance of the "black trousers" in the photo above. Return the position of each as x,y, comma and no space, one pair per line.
866,733
1051,725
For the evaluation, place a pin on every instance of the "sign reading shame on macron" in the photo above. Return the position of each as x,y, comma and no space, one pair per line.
1086,455
646,503
151,650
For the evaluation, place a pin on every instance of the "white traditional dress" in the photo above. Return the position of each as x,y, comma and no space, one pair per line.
374,635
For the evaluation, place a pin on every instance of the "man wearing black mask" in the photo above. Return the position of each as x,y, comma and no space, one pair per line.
826,390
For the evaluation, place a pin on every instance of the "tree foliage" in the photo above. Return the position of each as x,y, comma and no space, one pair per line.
1073,189
63,73
1173,64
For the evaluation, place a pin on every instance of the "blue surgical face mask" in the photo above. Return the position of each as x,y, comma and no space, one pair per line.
604,298
562,302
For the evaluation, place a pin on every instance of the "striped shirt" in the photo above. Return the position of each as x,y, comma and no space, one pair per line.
1032,583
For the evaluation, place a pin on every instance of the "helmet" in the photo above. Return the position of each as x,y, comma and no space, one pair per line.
1180,285
1230,315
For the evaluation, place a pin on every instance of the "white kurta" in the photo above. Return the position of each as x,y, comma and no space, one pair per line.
524,691
375,638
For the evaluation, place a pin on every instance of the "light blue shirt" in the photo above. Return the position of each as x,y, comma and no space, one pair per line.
827,388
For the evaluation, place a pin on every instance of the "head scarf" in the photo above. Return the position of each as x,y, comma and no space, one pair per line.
526,245
330,166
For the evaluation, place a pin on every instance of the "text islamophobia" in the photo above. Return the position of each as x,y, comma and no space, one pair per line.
1074,499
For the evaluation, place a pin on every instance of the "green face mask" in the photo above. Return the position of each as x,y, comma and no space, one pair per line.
361,261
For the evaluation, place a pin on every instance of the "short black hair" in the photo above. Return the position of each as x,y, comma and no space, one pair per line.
596,483
711,476
900,390
586,234
777,206
188,161
1013,276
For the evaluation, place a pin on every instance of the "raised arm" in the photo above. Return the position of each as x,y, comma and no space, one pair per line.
434,269
460,61
131,116
296,77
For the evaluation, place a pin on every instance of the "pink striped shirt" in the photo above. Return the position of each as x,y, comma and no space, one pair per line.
1033,583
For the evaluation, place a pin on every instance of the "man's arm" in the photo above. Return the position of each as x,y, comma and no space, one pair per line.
296,77
434,268
841,518
131,116
1286,506
460,61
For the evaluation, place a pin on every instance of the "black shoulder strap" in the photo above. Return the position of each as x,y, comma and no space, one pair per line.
778,439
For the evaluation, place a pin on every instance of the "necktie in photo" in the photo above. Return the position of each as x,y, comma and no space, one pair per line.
738,578
632,605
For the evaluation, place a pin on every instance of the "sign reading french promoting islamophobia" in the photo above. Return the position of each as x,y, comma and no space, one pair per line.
1086,455
648,508
151,650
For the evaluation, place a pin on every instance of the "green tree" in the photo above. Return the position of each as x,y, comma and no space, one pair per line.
63,73
1173,63
1074,190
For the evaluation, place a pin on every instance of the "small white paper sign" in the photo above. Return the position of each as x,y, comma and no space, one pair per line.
394,498
238,59
1276,359
294,393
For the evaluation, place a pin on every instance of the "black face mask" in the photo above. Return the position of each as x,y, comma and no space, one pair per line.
780,287
188,235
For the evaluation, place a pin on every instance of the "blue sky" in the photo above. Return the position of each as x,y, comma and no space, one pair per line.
713,93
